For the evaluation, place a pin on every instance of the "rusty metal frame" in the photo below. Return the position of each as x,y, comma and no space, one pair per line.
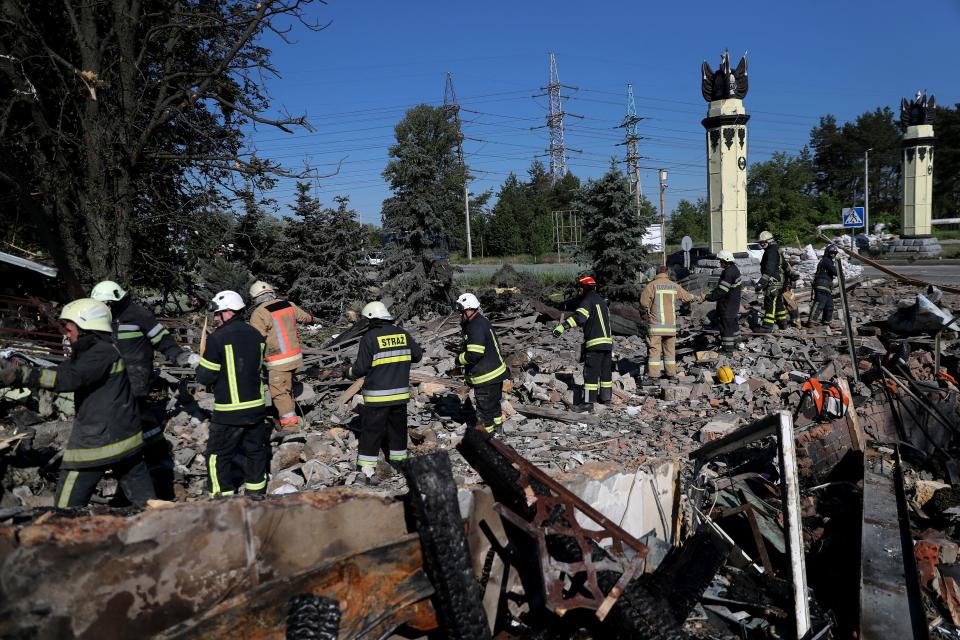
38,312
554,571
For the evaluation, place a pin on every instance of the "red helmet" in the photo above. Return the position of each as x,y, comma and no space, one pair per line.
586,281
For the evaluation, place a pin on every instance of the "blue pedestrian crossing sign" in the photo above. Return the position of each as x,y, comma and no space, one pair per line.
852,217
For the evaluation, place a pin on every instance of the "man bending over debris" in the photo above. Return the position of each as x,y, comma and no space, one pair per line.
276,320
383,360
231,367
771,283
138,334
593,315
822,306
484,368
659,298
106,433
727,297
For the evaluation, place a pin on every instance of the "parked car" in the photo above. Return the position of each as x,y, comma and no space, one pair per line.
755,250
374,259
675,259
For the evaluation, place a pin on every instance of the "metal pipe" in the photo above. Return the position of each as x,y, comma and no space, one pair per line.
848,323
890,272
945,221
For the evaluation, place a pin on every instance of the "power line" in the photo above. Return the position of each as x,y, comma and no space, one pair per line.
557,150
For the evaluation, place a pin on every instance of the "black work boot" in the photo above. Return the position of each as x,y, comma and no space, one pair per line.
765,328
583,407
605,395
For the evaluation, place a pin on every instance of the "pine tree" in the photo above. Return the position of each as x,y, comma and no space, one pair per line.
427,183
317,260
613,233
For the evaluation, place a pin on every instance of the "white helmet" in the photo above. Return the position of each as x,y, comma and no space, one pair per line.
259,288
766,236
376,310
88,314
468,301
107,291
725,256
226,301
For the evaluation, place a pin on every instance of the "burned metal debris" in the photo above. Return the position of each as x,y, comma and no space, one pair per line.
686,508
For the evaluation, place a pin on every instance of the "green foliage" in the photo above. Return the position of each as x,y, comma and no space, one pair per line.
838,153
124,121
522,219
322,249
689,219
257,231
946,174
613,233
423,215
782,198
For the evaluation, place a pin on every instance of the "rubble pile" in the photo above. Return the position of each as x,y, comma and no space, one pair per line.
757,506
647,417
805,261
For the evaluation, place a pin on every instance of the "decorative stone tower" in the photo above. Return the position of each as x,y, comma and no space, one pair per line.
917,177
726,137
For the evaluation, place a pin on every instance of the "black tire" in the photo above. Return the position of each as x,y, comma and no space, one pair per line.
313,618
432,501
639,614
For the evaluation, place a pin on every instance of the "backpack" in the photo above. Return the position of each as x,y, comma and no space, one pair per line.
828,398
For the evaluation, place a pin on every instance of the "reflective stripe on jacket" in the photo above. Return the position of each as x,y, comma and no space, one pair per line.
659,298
276,320
138,334
727,293
106,428
593,315
481,359
383,360
231,365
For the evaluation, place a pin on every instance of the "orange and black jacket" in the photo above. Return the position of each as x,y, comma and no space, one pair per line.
383,360
481,358
276,320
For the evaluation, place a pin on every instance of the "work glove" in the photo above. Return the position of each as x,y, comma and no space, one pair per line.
342,369
558,330
187,359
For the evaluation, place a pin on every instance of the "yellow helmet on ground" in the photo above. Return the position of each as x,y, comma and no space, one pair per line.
88,314
725,374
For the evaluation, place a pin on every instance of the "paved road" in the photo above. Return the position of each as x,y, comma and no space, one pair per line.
935,273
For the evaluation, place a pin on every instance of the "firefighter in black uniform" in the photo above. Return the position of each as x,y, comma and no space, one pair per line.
593,315
138,334
106,433
771,283
727,297
482,362
823,288
231,366
383,360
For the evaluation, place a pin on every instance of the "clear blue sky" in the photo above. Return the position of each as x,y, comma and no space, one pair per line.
355,79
